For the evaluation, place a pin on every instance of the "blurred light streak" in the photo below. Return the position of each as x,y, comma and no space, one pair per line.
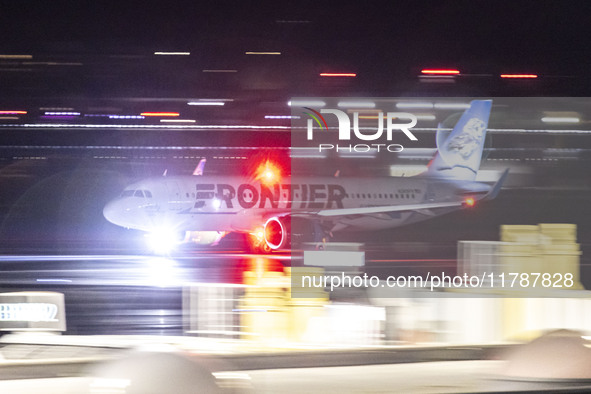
417,153
306,153
437,79
338,74
440,71
122,116
161,271
62,113
58,117
56,109
451,105
55,280
52,64
16,56
262,53
9,117
414,104
231,375
160,114
13,112
356,104
220,71
138,126
425,116
218,103
560,119
281,117
372,117
15,258
370,154
306,103
519,75
173,53
177,120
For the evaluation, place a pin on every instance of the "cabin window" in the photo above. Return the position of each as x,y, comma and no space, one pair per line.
148,193
138,193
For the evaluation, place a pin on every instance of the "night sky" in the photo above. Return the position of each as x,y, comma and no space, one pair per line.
373,38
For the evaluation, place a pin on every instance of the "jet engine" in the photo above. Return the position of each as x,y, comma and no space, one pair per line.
285,232
277,232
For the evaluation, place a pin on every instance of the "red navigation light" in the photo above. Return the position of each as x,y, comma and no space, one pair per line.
519,75
268,173
440,71
160,114
469,201
338,74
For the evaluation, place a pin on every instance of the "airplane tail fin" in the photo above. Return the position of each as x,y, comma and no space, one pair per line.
459,152
200,167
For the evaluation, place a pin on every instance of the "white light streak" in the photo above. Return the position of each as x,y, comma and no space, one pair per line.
281,117
123,116
62,113
306,103
414,104
211,103
261,53
425,117
356,104
172,53
451,106
560,119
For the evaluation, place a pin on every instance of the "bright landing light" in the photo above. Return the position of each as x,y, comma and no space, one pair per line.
162,241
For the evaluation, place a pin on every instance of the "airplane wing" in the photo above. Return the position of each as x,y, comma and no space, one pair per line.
387,208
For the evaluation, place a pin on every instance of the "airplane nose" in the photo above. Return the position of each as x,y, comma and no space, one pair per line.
109,211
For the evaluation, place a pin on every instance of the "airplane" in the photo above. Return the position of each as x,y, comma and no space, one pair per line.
278,210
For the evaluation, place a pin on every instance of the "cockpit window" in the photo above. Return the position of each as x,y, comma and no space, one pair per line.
127,193
148,193
138,193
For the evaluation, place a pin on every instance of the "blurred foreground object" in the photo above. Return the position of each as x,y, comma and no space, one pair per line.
558,356
163,372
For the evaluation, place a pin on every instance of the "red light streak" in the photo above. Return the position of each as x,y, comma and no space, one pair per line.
338,74
438,71
519,76
160,114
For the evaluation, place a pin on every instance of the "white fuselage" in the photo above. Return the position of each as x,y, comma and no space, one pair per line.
234,203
